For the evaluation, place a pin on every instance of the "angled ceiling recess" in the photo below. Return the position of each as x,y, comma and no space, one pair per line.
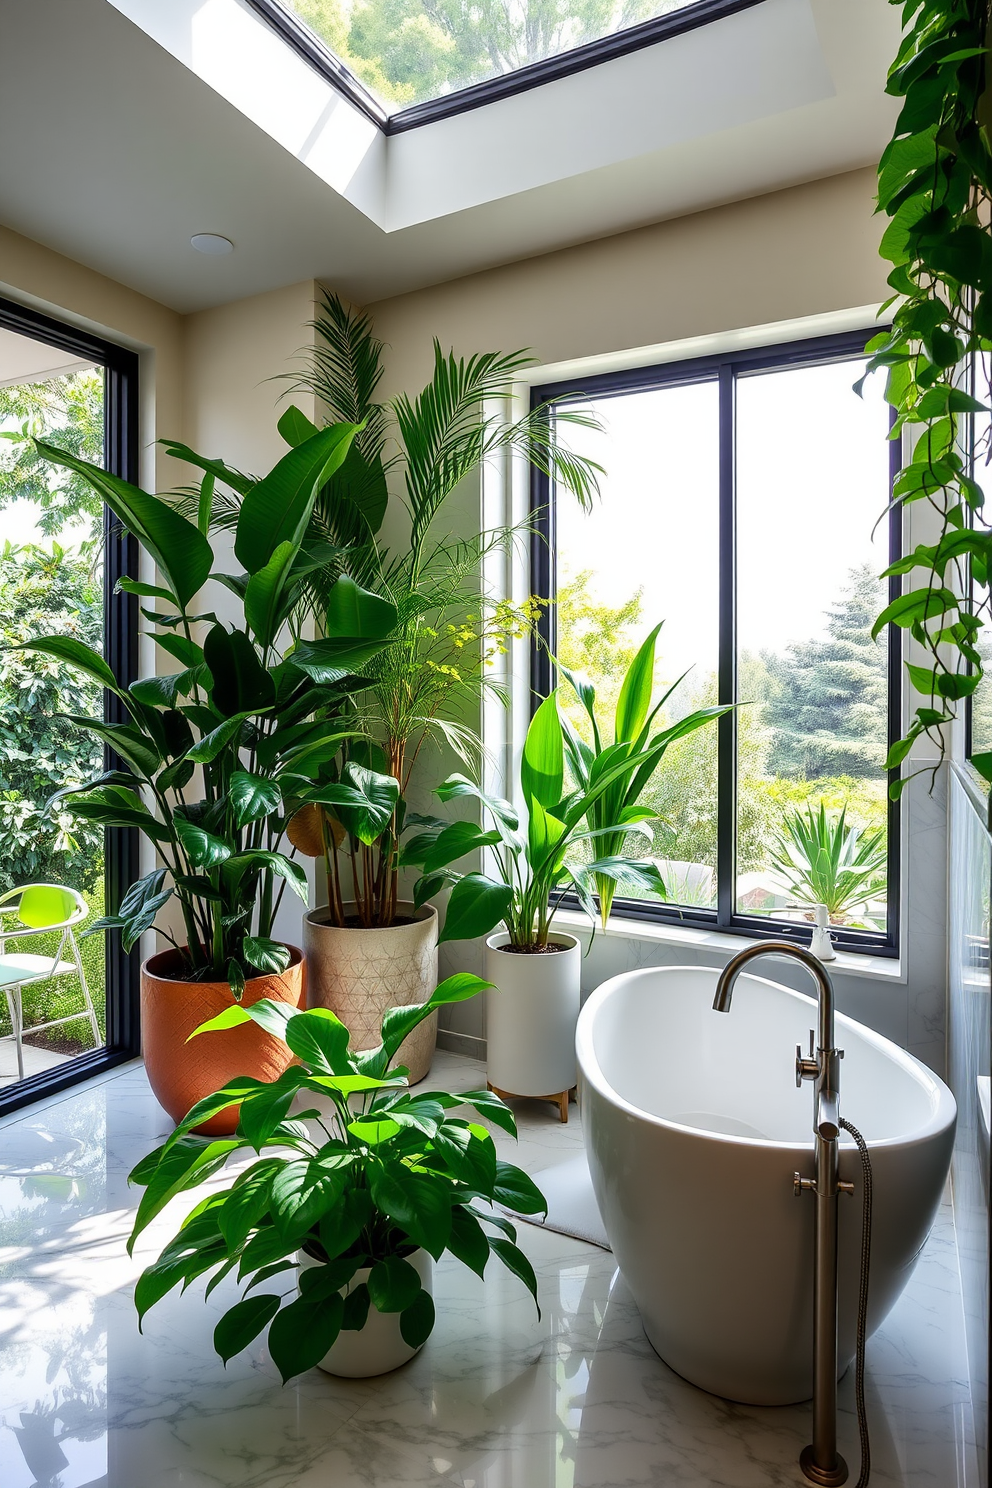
415,71
163,121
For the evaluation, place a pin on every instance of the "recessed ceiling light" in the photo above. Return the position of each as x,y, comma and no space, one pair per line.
211,243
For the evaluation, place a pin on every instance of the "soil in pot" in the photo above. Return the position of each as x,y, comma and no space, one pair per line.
182,1073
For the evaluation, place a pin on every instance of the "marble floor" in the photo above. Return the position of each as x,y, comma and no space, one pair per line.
497,1399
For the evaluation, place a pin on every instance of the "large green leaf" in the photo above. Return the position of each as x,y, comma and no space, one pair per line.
542,766
260,859
252,796
393,1284
355,612
236,479
78,655
303,1332
635,694
240,683
417,1320
378,794
178,548
416,1202
320,1039
278,508
457,839
243,1322
188,1161
477,905
266,594
302,1192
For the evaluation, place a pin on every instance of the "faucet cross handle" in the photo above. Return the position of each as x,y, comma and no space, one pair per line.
806,1069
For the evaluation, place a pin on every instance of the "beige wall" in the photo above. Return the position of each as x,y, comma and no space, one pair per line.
46,281
805,251
230,402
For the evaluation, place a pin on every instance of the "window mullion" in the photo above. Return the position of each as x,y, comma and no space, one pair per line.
727,744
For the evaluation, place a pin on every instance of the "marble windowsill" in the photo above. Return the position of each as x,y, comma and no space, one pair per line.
690,937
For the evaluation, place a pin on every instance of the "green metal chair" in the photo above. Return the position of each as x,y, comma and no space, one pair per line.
41,909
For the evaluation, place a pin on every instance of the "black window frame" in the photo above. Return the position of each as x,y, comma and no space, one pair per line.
120,620
724,368
298,35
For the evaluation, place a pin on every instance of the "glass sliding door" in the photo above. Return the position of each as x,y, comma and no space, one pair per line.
66,999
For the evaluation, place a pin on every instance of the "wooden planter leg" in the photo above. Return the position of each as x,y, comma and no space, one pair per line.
559,1099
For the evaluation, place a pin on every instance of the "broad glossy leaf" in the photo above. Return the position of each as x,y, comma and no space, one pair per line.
542,765
341,1228
266,594
276,510
179,549
265,954
319,1038
635,694
416,1202
355,612
247,1202
243,1322
259,859
417,1320
77,655
514,1260
454,842
241,685
468,1240
393,1284
186,1162
302,1193
302,1333
252,796
517,1191
203,849
476,906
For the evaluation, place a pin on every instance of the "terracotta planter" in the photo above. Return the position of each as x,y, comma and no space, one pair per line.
358,974
181,1074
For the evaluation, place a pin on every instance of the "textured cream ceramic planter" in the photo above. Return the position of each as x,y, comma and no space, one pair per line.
530,1020
380,1346
359,974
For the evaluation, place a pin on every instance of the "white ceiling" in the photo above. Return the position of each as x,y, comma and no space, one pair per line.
22,359
118,147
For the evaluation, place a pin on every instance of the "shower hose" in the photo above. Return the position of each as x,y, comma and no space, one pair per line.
859,1358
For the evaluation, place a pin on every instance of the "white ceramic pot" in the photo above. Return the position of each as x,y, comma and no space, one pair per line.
379,1346
530,1020
359,974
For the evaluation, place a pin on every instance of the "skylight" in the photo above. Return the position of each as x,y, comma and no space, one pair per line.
410,52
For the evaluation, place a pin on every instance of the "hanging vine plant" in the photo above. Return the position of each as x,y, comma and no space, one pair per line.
935,185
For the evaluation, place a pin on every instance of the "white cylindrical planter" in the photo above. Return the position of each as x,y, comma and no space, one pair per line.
359,974
379,1346
530,1020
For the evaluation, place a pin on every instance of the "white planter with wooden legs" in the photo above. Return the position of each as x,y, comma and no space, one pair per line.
359,974
530,1020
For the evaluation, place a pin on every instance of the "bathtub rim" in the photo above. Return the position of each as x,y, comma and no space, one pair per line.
943,1105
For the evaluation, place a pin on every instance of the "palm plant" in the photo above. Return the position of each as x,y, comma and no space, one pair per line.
614,813
825,861
421,688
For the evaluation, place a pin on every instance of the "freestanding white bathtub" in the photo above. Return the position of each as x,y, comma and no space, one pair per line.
694,1128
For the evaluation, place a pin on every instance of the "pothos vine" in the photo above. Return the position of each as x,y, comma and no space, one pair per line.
935,185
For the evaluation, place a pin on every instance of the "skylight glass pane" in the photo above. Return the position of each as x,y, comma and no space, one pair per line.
406,51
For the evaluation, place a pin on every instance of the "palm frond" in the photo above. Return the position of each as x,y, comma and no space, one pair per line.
344,369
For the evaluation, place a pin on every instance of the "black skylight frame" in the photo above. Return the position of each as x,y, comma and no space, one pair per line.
120,631
477,95
724,370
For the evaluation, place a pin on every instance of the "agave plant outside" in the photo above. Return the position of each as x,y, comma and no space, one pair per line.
390,1171
826,861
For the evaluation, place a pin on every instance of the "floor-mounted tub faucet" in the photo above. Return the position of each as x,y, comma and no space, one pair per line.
820,1461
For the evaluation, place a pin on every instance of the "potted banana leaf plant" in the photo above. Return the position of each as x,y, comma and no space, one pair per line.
530,1025
371,946
214,756
346,1206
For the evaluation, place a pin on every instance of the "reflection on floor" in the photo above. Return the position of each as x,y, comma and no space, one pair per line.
35,1060
496,1399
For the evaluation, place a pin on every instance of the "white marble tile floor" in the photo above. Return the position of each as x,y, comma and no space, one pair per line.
497,1399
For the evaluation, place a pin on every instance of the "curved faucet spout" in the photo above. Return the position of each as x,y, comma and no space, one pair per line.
825,991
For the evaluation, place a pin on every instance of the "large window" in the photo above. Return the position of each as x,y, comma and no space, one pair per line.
60,558
741,507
